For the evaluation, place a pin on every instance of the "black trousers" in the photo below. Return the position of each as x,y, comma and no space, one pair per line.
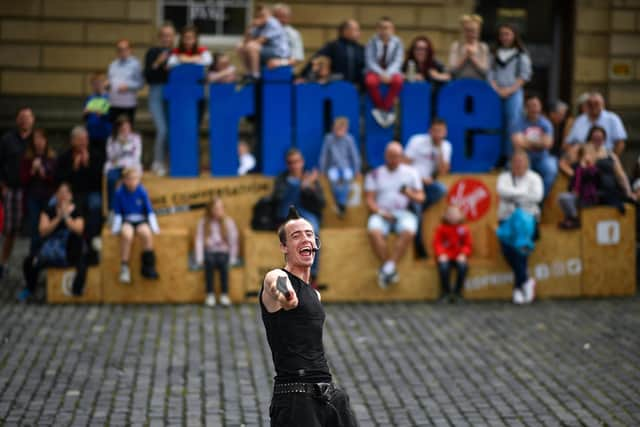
444,270
216,261
331,409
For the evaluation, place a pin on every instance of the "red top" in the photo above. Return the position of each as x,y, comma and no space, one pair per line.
198,52
452,240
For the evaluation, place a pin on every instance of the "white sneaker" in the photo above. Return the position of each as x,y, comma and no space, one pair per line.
210,301
518,297
96,243
67,285
379,116
529,290
159,169
389,119
224,300
125,274
382,280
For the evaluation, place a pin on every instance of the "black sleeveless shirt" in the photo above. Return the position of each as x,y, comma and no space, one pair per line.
295,337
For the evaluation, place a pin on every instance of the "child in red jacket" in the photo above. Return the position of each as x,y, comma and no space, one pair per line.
452,247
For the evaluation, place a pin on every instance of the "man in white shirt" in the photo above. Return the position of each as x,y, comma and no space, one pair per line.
282,13
390,189
597,115
430,155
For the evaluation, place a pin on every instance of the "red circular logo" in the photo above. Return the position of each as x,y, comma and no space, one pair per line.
471,196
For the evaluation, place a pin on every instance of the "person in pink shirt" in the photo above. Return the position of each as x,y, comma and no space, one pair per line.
216,246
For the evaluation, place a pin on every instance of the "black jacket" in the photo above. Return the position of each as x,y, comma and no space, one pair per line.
347,59
12,148
311,199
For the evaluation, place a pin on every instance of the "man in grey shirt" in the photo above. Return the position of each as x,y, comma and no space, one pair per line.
282,13
125,80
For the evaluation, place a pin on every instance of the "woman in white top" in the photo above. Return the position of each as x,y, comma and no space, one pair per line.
519,188
124,150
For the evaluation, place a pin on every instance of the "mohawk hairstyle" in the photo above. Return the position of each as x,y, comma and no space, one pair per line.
291,215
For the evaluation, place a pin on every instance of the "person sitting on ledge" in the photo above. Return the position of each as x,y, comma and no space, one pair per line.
265,43
60,228
134,215
389,190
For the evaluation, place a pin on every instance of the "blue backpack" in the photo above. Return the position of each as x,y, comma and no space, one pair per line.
518,230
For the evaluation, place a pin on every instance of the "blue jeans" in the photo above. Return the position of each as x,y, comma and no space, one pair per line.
546,166
113,175
158,110
517,260
340,180
513,109
433,193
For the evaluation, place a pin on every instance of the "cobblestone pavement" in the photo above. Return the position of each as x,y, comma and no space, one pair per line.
566,363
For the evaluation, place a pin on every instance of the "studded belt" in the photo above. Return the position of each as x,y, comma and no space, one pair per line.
314,389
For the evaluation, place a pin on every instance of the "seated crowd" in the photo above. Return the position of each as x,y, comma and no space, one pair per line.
61,196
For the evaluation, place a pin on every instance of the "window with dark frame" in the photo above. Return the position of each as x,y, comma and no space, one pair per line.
212,17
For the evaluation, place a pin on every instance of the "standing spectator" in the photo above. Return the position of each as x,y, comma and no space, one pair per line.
125,80
60,226
156,74
340,161
246,160
345,53
12,147
562,121
583,188
96,113
134,216
452,248
216,245
189,51
37,174
520,191
389,190
510,70
265,43
82,169
534,133
469,57
221,71
430,155
383,61
302,190
597,115
124,150
282,13
421,64
613,184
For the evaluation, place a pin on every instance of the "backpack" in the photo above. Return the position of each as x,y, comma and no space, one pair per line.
263,217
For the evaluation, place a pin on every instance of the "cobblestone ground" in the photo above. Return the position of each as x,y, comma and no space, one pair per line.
566,363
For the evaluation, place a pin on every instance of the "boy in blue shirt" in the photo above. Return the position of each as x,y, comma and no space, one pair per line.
134,215
96,114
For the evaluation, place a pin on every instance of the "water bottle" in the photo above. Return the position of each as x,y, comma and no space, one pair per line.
411,70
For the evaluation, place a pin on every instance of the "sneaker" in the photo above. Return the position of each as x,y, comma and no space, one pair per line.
159,169
379,116
125,274
518,297
393,277
382,280
67,285
96,243
529,290
389,119
24,295
210,301
224,300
